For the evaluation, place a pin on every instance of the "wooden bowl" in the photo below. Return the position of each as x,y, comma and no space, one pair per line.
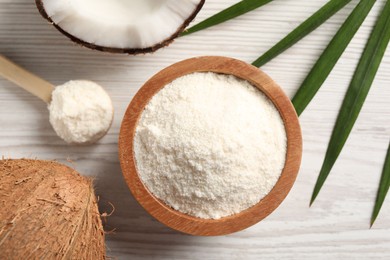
183,222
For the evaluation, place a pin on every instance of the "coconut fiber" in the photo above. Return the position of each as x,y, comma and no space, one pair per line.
48,211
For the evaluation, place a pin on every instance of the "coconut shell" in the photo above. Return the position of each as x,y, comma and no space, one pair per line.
166,42
48,211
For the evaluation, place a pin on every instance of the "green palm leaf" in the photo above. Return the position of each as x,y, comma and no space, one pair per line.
356,94
331,55
359,86
383,187
227,14
318,18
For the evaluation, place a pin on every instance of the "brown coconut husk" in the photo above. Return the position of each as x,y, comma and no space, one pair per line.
48,211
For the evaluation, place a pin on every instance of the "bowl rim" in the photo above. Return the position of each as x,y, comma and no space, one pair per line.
230,224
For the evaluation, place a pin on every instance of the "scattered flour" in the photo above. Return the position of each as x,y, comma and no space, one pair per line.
210,145
80,111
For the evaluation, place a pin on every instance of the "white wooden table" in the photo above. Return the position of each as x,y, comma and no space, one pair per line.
335,227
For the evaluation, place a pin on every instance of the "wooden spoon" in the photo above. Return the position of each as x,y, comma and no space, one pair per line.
30,82
44,90
189,224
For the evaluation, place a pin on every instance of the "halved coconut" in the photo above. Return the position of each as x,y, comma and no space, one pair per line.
122,26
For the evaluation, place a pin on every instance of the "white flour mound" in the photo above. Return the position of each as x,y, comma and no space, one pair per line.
210,145
80,111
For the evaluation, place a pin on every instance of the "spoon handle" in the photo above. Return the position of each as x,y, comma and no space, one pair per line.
21,77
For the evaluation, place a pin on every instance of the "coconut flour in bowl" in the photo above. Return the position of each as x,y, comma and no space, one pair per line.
210,145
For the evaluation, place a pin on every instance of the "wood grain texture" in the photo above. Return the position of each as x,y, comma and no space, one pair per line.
336,227
183,222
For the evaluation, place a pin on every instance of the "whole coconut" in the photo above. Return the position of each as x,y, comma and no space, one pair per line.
48,211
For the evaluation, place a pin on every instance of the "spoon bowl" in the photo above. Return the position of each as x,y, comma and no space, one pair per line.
226,225
45,91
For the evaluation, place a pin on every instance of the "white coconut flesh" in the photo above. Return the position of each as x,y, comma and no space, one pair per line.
125,24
